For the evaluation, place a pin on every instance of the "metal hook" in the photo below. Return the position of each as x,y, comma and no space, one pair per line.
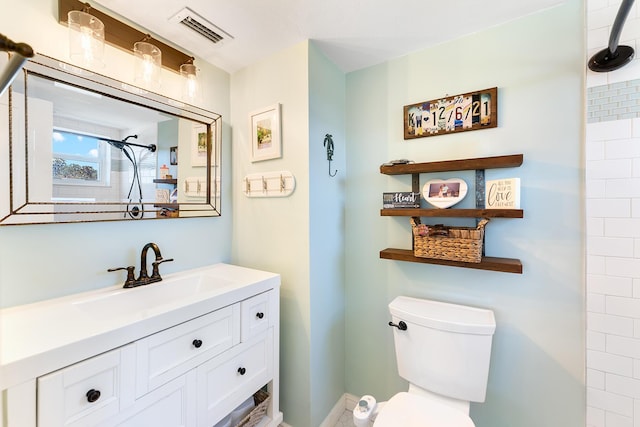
328,142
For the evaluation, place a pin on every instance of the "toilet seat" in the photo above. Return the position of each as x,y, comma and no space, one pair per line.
411,410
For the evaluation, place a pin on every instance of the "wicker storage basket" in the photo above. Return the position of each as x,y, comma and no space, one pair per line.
261,399
462,244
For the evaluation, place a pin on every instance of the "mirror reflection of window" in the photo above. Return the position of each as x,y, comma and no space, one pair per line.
79,159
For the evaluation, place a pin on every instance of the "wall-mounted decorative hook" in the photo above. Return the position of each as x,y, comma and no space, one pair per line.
269,184
328,143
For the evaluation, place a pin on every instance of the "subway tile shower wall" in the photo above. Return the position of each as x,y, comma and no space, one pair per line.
615,101
612,153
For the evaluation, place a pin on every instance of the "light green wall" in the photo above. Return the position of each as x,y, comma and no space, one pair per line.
301,236
537,367
45,261
327,109
273,233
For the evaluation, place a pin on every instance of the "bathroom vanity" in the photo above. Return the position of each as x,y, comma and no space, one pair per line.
182,352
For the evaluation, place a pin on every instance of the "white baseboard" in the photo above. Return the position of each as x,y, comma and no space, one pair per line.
346,403
350,401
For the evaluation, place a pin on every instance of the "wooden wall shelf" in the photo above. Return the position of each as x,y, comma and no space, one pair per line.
454,213
173,181
510,161
507,265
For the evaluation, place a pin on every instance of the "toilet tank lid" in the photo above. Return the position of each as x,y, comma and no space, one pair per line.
444,316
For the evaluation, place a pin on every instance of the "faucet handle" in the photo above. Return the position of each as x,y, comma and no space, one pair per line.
130,281
155,273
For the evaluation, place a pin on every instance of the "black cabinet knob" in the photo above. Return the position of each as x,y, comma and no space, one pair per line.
197,343
259,315
93,395
242,371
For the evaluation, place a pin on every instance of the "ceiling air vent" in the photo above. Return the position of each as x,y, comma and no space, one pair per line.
200,25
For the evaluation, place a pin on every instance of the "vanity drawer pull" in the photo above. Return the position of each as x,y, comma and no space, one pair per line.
242,371
197,343
259,315
93,395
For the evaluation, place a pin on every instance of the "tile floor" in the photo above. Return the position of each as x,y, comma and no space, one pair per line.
346,420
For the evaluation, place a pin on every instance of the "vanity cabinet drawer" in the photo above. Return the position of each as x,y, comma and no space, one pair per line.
256,315
172,352
88,392
224,382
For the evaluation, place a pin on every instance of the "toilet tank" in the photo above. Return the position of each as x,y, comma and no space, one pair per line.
446,347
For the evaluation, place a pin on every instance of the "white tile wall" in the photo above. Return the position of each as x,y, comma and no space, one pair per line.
613,269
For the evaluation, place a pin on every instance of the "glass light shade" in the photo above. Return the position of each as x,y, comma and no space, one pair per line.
190,84
148,63
86,39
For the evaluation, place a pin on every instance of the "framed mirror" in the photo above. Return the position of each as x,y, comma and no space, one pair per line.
78,146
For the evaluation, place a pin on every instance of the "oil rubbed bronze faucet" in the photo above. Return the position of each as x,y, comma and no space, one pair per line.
144,278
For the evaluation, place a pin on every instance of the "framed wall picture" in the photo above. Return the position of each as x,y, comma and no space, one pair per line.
266,140
444,193
199,145
451,114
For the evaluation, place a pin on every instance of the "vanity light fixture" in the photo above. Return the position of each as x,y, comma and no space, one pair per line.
119,34
148,60
86,38
190,83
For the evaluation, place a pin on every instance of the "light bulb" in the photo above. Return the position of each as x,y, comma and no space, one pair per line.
86,39
190,85
148,62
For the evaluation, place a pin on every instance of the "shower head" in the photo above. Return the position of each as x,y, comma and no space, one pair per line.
614,56
606,60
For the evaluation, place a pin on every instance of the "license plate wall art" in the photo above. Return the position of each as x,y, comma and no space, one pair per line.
460,113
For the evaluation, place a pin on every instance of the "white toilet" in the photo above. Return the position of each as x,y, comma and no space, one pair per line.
443,350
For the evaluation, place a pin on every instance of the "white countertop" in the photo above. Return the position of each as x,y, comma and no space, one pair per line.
45,336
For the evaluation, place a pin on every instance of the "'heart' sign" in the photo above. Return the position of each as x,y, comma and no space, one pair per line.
444,193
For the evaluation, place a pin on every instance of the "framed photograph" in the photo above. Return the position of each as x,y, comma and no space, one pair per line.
444,193
199,144
266,141
460,113
173,155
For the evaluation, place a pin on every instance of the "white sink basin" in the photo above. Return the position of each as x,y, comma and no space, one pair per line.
47,335
170,291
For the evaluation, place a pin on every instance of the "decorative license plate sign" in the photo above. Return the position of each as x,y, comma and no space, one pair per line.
459,113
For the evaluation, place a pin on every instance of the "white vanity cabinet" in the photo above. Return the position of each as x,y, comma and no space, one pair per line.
88,392
189,374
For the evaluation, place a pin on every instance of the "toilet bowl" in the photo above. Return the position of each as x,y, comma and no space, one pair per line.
412,410
443,350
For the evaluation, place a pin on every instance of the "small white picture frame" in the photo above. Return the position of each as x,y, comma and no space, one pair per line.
199,141
444,193
266,142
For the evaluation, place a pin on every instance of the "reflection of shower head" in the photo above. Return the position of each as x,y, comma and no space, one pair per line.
122,143
22,52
